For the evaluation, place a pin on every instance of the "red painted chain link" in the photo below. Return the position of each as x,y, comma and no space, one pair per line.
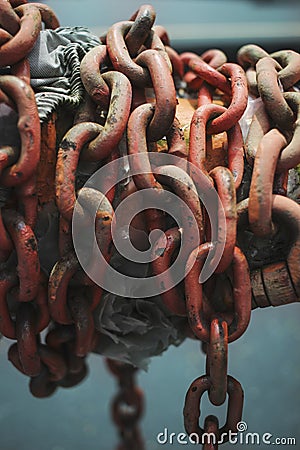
192,406
29,127
129,395
132,80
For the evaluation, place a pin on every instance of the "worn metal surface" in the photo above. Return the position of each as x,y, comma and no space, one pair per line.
132,81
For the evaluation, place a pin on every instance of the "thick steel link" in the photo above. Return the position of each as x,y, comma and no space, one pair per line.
92,200
241,294
176,142
164,91
24,40
9,280
138,56
197,144
214,57
48,16
28,201
90,72
9,19
182,185
217,361
121,59
211,427
173,298
251,82
27,340
250,54
144,19
288,67
261,189
59,366
59,279
239,97
68,306
62,340
205,94
289,75
138,147
270,93
290,155
66,165
206,72
287,211
224,184
116,120
29,128
27,252
260,125
272,286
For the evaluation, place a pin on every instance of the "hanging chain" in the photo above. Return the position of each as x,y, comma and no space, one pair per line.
132,80
127,406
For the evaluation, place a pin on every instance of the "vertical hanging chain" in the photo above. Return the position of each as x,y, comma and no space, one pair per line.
133,79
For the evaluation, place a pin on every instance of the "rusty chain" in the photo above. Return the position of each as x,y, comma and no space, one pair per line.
130,80
127,406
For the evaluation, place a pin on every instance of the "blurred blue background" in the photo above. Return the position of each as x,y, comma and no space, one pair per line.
265,360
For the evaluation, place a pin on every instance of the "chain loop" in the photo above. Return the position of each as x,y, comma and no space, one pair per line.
29,127
120,57
128,105
241,294
225,187
269,90
217,361
164,91
194,394
27,252
289,75
173,299
239,97
127,406
14,50
9,19
261,189
115,124
90,72
197,145
206,72
211,427
144,19
290,156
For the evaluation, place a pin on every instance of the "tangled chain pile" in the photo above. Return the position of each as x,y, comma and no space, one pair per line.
127,96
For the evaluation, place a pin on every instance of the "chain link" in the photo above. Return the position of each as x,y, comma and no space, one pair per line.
132,81
127,406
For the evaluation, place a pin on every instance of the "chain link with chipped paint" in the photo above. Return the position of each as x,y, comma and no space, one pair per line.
131,81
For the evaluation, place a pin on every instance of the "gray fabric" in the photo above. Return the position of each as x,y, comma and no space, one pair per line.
55,67
134,330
